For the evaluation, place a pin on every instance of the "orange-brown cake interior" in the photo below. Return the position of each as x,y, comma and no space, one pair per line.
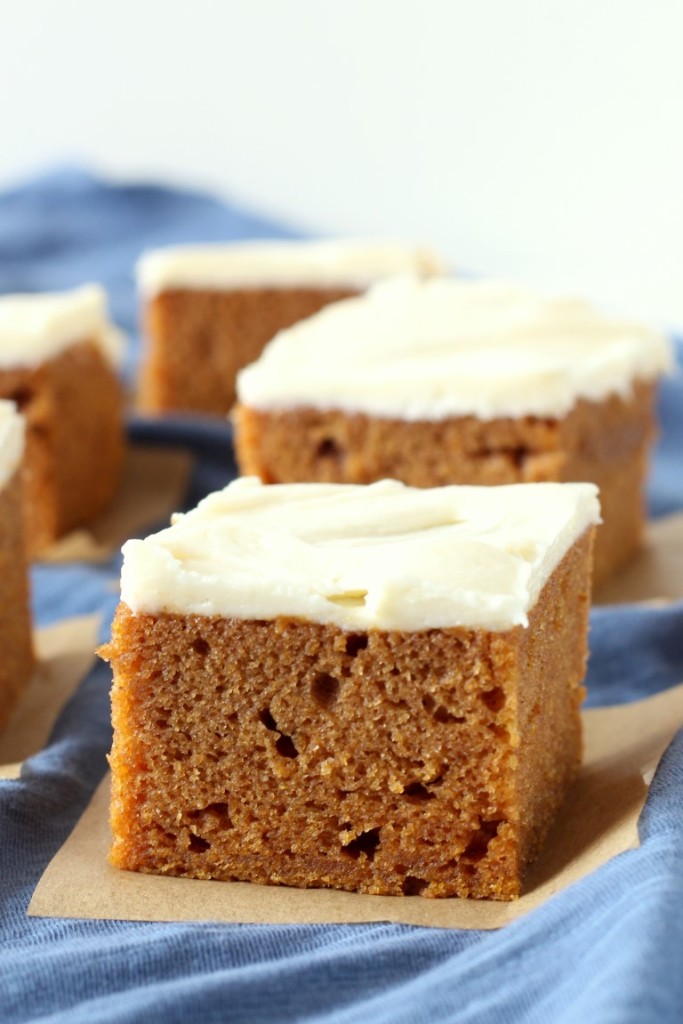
197,340
606,442
16,662
428,762
73,406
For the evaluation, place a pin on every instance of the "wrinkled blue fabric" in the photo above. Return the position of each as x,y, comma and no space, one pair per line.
608,949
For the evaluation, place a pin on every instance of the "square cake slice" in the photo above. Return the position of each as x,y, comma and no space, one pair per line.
372,688
209,310
58,356
16,659
460,382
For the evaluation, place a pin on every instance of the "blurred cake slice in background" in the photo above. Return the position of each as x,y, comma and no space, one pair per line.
58,359
209,310
473,382
16,652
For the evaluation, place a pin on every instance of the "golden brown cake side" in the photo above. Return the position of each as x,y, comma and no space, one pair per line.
608,443
428,762
73,406
331,446
604,442
197,340
16,663
555,646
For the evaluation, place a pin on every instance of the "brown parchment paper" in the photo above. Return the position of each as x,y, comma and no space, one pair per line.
656,574
152,487
598,821
64,654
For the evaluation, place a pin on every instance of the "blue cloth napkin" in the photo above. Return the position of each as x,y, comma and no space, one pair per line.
610,948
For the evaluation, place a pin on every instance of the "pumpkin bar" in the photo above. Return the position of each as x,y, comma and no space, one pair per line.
460,382
209,310
371,688
16,662
58,357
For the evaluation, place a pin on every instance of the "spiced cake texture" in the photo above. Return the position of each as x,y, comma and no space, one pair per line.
442,382
57,362
209,310
393,708
16,662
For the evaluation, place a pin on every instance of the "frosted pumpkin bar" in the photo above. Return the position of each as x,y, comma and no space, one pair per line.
470,382
209,310
16,652
365,688
58,356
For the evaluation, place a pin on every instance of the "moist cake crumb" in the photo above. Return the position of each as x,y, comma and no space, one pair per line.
391,734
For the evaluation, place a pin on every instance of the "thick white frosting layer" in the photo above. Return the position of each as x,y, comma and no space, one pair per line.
338,264
384,556
37,327
431,349
11,440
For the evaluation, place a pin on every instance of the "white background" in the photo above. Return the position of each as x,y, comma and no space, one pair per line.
535,139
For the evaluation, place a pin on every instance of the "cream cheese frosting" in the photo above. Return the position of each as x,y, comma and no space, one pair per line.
432,349
338,264
384,556
11,440
37,327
